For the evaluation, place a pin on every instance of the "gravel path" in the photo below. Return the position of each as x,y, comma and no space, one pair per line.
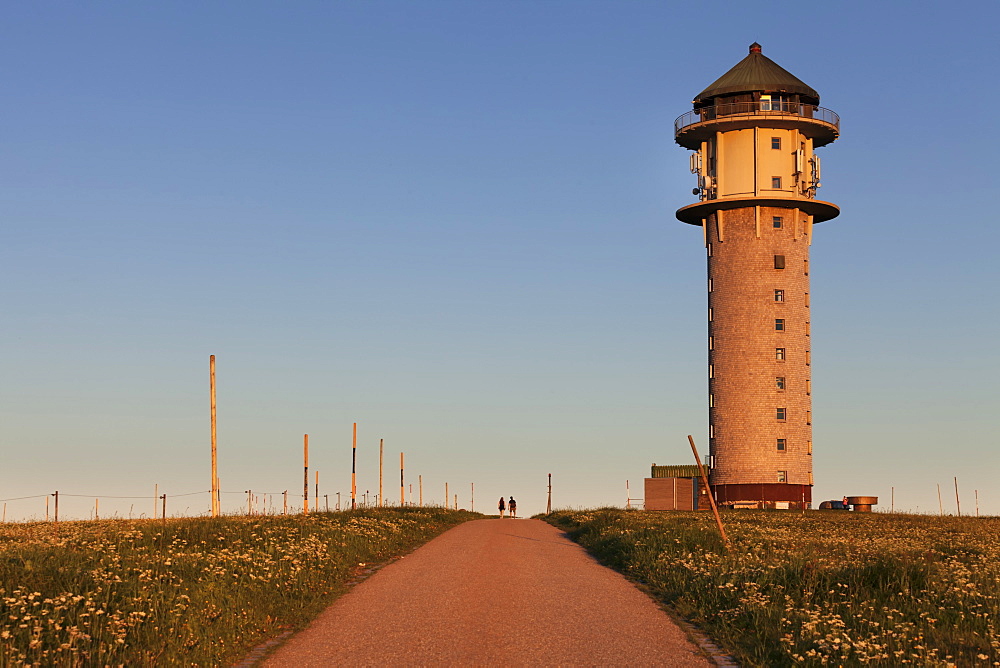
491,592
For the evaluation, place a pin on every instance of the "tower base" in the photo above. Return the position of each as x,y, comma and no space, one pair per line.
763,495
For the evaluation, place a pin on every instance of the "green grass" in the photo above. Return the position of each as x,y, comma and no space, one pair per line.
185,591
824,588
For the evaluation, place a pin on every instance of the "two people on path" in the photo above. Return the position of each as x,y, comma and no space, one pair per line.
512,505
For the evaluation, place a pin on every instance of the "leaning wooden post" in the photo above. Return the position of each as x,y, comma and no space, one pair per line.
284,502
711,497
354,469
305,479
402,487
215,461
958,504
381,442
940,505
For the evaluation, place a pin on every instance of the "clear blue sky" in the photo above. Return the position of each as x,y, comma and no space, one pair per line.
453,223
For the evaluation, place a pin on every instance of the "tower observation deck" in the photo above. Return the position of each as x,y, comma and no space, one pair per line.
753,135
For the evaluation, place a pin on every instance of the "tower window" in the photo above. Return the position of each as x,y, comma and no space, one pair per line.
710,315
711,401
775,142
808,330
711,371
807,300
809,386
711,431
779,354
809,447
808,358
711,343
776,182
779,382
782,476
780,413
809,417
806,267
782,444
779,295
779,262
776,221
779,324
710,285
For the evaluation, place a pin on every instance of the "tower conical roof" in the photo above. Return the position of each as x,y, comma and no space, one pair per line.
756,72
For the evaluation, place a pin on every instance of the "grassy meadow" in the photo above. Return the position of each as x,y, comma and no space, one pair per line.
823,588
196,591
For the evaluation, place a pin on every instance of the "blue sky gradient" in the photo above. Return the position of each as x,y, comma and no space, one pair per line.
452,222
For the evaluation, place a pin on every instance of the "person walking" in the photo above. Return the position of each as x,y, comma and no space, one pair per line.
512,504
501,507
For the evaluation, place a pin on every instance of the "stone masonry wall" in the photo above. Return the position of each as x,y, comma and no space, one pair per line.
743,339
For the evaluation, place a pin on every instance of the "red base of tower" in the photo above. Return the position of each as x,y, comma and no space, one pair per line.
763,495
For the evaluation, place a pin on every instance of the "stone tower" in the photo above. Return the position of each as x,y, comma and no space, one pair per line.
753,134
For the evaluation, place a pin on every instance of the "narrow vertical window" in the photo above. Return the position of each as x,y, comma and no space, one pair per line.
806,267
782,476
808,329
709,250
809,447
776,182
711,343
779,413
710,315
779,324
776,222
809,386
710,285
779,261
808,358
711,431
711,371
779,382
779,295
711,401
776,142
807,300
809,417
782,444
779,353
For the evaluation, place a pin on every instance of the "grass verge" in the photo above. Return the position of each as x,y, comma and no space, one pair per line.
824,588
196,591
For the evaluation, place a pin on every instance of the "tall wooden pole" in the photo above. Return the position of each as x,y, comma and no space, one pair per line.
940,505
958,504
711,497
976,491
316,495
354,469
472,498
548,505
892,504
381,499
284,502
215,458
420,489
305,479
447,499
402,487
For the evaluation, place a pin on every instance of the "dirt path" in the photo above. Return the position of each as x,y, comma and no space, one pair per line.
491,592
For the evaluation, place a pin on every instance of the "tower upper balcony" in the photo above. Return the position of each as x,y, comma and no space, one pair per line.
698,125
756,92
